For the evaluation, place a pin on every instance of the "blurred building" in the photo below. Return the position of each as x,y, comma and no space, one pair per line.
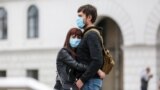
32,32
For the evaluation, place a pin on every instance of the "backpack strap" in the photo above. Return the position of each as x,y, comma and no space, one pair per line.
100,36
95,30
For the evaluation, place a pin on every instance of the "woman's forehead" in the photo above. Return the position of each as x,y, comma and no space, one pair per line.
75,35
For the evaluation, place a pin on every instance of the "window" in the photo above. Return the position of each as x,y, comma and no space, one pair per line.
32,74
3,73
3,24
32,22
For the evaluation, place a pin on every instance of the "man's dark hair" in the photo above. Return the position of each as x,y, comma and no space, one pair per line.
89,10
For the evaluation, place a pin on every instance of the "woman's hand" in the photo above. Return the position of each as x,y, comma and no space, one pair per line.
101,74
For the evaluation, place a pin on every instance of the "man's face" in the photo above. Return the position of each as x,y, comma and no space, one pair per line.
148,70
81,14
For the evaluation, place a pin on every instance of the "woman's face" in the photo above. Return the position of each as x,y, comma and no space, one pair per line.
74,40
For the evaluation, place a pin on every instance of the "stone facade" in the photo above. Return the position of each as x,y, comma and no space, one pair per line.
137,20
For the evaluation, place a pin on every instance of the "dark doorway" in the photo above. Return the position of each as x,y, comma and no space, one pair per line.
113,41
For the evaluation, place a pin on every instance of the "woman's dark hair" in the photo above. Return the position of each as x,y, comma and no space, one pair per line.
89,10
72,31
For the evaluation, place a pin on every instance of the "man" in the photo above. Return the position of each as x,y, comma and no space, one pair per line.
146,76
89,50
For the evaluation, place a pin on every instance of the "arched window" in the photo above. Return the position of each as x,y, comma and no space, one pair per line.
3,23
32,22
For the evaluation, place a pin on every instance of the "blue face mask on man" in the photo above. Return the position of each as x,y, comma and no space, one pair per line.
74,42
80,22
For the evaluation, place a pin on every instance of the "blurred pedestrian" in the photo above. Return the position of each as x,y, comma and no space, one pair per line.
145,77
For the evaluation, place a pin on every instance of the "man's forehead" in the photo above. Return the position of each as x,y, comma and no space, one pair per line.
80,13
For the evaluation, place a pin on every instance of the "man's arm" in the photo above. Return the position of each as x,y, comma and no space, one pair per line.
95,50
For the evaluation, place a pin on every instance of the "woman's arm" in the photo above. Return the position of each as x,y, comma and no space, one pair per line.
68,59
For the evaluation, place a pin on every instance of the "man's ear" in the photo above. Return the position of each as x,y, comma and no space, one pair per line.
89,17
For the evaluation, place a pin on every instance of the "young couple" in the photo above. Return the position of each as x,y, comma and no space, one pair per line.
79,62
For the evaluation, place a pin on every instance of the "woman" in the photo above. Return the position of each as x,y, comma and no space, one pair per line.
66,61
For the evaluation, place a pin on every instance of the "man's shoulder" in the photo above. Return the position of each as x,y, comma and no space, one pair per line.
91,35
93,31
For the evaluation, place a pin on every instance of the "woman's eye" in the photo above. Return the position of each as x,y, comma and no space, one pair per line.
79,37
73,36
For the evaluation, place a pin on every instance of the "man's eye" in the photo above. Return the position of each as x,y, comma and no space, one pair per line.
79,15
73,36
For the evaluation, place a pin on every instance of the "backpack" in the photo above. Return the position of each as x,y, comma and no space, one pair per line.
108,61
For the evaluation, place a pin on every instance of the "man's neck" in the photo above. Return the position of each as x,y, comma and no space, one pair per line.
89,25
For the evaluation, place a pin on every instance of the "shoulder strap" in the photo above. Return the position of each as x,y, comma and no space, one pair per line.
98,33
95,30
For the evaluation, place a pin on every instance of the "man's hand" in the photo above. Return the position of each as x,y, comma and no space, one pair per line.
79,84
101,74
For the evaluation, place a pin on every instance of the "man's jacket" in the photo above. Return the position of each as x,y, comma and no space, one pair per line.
89,52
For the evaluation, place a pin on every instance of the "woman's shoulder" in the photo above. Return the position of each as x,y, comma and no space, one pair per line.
63,51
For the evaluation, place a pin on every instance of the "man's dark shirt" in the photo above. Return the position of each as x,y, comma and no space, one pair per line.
89,52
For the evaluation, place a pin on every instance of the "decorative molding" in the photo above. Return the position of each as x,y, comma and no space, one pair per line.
114,11
151,29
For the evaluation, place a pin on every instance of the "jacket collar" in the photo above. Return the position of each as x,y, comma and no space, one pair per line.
100,29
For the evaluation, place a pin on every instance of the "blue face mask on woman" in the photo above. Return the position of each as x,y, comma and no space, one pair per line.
74,42
80,22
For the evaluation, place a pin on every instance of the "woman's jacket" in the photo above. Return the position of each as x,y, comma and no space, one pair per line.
66,65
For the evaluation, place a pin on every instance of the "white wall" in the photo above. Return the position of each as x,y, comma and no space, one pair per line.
56,17
54,22
139,11
16,64
136,59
